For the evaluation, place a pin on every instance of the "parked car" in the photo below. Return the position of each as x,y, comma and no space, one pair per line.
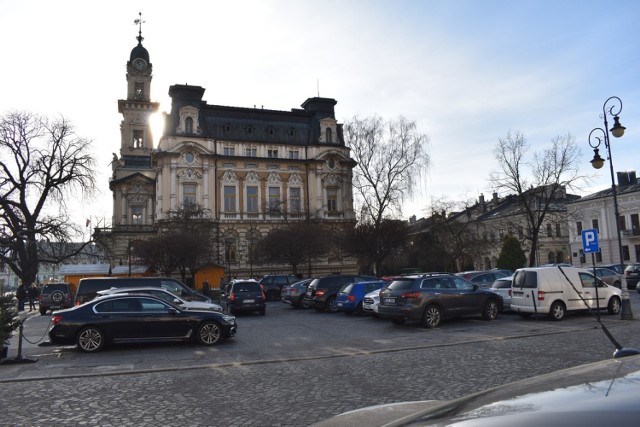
165,295
55,296
294,294
136,318
556,290
350,297
321,292
88,288
484,279
370,303
632,274
618,268
272,285
433,297
608,276
243,295
502,287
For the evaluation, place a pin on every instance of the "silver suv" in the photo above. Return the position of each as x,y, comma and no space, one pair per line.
430,298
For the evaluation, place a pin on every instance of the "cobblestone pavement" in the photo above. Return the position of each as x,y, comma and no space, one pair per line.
292,368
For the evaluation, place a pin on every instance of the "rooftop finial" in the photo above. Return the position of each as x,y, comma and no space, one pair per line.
139,23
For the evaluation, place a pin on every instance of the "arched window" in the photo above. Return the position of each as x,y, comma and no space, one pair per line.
328,135
188,125
552,258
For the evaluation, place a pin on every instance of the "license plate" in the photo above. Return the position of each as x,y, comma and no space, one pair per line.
249,301
339,304
390,300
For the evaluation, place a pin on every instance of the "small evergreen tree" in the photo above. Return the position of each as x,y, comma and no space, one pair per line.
9,320
511,256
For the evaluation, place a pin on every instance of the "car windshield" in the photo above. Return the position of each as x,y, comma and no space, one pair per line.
246,287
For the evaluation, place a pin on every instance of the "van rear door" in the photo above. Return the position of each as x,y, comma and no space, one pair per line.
524,288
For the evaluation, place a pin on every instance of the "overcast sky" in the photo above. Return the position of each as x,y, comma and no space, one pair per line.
467,72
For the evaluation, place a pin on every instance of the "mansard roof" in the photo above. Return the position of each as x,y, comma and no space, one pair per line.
299,126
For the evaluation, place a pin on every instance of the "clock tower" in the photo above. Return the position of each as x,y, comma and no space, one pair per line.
133,179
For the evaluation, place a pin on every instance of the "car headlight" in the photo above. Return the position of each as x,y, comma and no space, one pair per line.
227,318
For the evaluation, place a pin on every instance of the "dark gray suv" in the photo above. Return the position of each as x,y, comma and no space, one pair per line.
55,296
430,298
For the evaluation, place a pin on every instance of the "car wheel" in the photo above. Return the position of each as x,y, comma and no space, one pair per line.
43,311
331,305
306,304
359,310
490,310
262,311
614,305
90,339
557,311
432,316
208,333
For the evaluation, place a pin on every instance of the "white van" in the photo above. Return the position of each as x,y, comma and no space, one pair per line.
546,290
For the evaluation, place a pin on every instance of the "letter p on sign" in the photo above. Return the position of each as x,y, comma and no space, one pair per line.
590,241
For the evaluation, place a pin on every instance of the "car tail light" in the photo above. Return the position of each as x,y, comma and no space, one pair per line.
56,319
232,297
264,297
320,292
540,295
415,294
293,290
351,298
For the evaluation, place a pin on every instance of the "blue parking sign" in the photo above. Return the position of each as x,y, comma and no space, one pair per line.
590,241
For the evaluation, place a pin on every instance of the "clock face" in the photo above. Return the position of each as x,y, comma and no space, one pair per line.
140,64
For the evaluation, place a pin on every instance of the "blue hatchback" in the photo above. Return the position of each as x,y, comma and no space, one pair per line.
350,297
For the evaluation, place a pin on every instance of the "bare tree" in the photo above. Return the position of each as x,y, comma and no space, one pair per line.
391,157
373,245
295,244
184,245
42,162
539,183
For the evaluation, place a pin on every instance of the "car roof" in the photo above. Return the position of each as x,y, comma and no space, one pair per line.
114,290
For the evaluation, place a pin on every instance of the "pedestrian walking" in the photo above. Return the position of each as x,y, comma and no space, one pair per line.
205,288
21,294
33,293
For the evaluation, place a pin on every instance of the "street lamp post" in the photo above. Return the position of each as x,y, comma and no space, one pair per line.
596,137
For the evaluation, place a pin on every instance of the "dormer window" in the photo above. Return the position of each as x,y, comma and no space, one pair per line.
328,135
188,125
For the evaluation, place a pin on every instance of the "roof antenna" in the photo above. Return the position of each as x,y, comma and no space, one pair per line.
318,86
139,23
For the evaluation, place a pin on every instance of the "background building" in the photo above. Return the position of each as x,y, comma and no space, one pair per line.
246,170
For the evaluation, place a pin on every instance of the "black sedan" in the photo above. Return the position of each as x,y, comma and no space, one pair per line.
136,318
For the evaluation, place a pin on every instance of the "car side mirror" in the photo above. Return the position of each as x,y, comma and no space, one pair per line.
173,311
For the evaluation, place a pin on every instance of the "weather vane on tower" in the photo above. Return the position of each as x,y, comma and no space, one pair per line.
139,22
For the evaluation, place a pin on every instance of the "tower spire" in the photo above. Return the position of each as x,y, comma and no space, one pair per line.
139,23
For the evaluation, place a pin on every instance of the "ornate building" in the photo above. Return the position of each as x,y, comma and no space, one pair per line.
250,170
